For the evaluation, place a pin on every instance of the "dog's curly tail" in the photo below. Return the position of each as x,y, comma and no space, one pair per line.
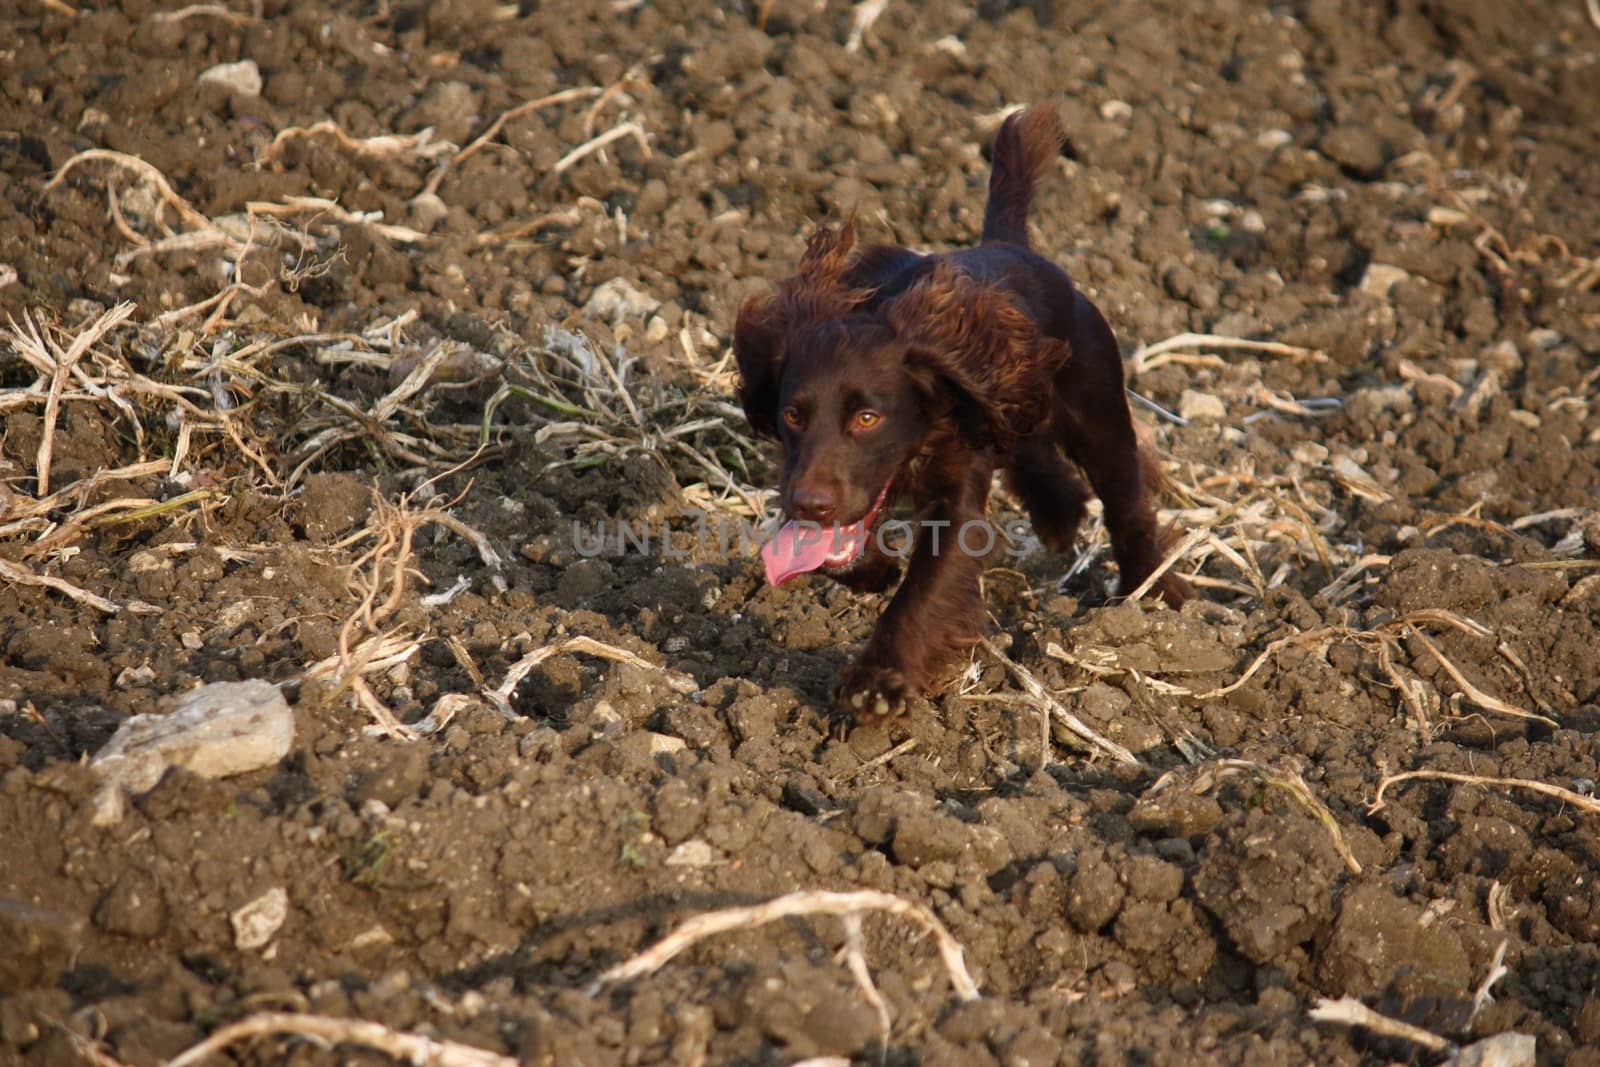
1024,148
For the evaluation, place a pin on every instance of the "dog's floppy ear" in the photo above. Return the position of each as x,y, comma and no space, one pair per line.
972,340
758,349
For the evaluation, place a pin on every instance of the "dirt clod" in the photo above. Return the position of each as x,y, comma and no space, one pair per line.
1269,880
1380,942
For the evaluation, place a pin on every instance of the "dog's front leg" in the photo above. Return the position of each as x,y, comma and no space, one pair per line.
936,614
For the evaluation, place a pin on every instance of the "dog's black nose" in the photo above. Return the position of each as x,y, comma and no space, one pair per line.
812,504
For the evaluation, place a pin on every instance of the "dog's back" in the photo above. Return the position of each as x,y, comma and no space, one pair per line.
1024,148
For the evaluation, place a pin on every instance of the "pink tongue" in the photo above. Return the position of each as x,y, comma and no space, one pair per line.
796,549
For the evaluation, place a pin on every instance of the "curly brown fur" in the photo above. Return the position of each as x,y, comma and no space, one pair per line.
889,374
815,293
983,344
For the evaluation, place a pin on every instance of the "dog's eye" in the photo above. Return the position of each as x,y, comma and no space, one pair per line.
867,420
792,417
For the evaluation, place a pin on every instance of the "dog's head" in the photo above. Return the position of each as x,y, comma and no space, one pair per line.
851,390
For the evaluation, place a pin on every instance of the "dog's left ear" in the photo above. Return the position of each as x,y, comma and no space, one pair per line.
970,339
757,348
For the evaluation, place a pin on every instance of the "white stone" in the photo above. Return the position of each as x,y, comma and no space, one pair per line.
243,77
692,853
617,300
129,677
232,616
606,720
216,730
145,560
371,937
1380,278
665,745
255,924
1309,453
109,805
1201,407
425,210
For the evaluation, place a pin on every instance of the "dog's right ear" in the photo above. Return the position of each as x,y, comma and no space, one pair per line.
757,347
984,350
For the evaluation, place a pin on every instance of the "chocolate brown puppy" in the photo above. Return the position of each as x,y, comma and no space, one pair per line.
889,374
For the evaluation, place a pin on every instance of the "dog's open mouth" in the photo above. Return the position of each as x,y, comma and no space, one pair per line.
802,547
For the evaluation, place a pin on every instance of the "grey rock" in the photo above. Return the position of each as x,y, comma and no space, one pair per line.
216,730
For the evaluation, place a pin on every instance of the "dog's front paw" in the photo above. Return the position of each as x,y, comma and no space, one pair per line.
873,694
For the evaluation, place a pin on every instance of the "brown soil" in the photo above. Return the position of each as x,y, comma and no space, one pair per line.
1236,169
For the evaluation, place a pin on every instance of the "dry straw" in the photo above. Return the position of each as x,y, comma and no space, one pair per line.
845,905
588,404
407,1048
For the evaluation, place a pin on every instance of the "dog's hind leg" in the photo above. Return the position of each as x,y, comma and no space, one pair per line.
1105,447
1098,435
1050,489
